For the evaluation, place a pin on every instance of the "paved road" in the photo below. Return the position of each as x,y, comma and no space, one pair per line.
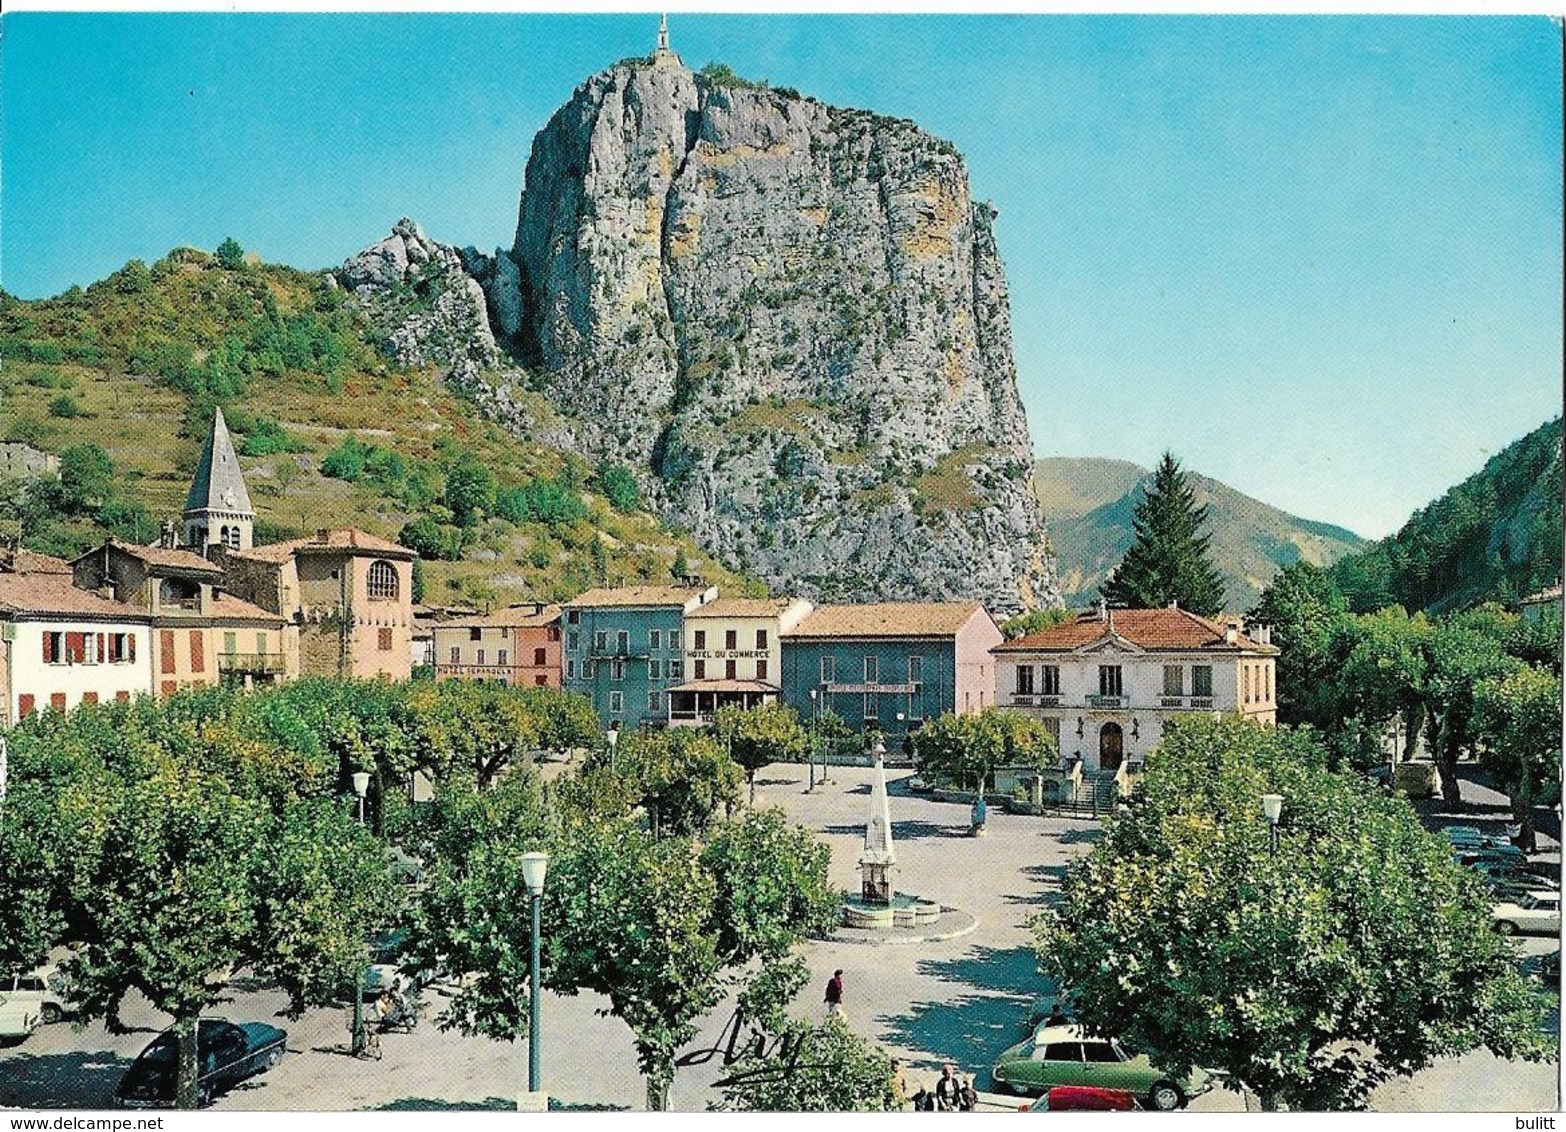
962,1000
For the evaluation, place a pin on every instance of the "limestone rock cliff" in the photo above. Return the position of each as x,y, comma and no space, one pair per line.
791,318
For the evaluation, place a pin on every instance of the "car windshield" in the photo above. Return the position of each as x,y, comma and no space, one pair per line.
159,1052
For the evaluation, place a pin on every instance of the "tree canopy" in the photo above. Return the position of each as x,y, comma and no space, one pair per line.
1357,951
1169,561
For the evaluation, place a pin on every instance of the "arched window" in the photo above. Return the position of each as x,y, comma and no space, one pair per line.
382,583
231,537
223,535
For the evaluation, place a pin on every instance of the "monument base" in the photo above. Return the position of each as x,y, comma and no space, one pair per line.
529,1101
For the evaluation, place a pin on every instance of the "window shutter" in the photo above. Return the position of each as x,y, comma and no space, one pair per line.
103,645
48,649
130,647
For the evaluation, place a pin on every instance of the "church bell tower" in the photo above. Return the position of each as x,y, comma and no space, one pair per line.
217,510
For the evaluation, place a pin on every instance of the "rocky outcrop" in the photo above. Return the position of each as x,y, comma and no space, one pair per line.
791,318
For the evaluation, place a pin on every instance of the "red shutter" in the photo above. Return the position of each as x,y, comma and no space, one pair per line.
89,697
75,648
102,647
167,688
166,647
48,648
196,662
130,647
121,697
24,703
57,701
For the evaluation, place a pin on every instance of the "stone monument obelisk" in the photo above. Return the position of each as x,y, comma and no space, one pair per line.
875,863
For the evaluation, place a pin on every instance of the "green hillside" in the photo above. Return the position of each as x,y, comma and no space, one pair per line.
330,434
1494,537
1090,528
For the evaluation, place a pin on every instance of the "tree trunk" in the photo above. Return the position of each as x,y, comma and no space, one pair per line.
750,777
1446,764
1414,722
658,1082
1522,812
185,1089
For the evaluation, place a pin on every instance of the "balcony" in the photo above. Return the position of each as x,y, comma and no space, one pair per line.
253,663
1193,703
1029,699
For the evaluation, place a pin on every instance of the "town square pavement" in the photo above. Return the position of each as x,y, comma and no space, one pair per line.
963,999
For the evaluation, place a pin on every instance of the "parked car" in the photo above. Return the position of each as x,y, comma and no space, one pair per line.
1065,1055
226,1054
1536,912
43,989
1082,1098
17,1019
1508,855
1471,835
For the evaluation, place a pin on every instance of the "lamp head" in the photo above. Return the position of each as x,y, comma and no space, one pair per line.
1272,807
361,782
534,865
613,735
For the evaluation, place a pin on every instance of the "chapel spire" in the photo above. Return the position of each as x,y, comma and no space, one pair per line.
665,56
218,510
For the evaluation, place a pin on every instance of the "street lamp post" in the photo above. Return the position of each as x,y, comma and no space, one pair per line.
534,865
613,735
361,787
1272,810
810,751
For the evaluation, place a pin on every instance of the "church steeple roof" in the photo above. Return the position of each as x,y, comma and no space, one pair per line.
218,484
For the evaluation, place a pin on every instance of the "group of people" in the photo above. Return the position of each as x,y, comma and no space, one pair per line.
393,1008
952,1093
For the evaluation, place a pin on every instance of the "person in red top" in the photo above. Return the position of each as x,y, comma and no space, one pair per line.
834,993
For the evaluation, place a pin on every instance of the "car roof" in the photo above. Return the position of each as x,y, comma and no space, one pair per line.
1068,1033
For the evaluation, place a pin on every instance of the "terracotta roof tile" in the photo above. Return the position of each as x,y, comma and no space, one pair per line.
1157,629
888,619
31,562
230,608
46,594
343,538
159,557
637,596
743,607
514,616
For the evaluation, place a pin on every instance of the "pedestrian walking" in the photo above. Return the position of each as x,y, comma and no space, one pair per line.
967,1095
834,994
946,1090
1057,1016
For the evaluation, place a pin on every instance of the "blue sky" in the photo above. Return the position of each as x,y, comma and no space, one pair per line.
1317,257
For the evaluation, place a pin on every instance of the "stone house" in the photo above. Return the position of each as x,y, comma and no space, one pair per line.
889,667
201,635
1106,683
348,593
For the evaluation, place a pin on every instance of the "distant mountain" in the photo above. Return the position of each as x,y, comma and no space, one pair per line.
1494,537
1089,503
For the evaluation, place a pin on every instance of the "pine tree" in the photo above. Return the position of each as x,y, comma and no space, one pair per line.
1169,560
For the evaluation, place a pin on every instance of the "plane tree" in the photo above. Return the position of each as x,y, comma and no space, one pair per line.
1355,952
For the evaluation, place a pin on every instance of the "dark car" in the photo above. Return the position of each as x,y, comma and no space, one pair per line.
1082,1098
226,1053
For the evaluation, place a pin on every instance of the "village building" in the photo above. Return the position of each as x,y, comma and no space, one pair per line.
61,646
518,645
348,593
733,655
889,667
201,635
1106,683
624,649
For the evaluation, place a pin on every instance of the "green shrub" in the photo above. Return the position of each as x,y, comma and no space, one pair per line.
617,483
64,406
346,461
266,437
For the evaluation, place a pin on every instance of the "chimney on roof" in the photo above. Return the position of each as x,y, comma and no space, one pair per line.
168,535
323,536
1231,636
538,607
1174,603
1103,610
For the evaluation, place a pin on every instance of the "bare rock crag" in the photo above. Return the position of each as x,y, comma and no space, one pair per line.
792,319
